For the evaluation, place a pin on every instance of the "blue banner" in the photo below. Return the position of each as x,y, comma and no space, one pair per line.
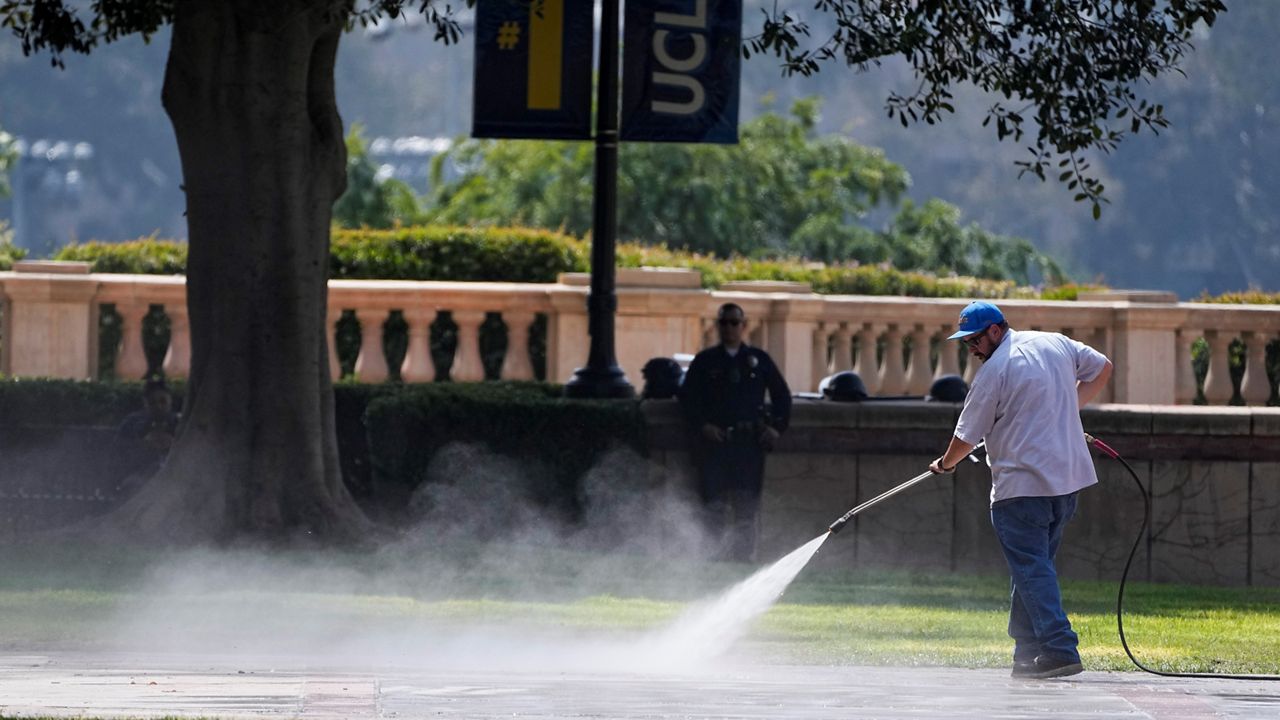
533,69
680,65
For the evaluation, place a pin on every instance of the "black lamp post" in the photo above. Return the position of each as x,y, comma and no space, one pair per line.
602,377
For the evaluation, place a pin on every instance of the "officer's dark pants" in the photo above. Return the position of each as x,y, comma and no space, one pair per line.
731,479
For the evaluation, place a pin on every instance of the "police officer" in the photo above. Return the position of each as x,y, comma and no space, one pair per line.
723,400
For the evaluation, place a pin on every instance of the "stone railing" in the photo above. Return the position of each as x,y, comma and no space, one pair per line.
52,311
1213,474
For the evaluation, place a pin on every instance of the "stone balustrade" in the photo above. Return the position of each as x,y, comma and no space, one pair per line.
51,327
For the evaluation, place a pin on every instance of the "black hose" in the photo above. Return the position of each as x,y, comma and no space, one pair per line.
1124,576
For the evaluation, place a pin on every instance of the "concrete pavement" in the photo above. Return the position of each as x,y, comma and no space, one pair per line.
85,684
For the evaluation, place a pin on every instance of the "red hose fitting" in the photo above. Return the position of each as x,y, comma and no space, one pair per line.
1101,447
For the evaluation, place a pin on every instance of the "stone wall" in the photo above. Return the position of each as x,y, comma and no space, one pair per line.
1214,476
49,327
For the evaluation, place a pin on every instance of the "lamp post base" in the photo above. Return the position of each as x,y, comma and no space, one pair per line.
607,383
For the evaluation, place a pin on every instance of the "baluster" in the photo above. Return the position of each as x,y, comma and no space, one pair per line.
842,358
1184,378
1101,342
866,365
516,364
708,332
1255,388
466,359
330,332
177,360
919,371
893,376
417,365
818,354
948,353
371,363
1217,383
131,358
971,364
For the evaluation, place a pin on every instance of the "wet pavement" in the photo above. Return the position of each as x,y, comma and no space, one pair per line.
149,685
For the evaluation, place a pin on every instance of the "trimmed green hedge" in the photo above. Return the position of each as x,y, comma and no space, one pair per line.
144,256
420,253
529,422
1247,297
388,433
9,253
40,401
525,255
452,253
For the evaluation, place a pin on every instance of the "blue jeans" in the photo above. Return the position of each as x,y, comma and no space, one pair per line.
1030,530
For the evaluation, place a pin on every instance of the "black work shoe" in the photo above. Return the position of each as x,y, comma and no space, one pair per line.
1023,668
1054,667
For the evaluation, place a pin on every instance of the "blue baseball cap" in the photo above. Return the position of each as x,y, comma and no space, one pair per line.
976,317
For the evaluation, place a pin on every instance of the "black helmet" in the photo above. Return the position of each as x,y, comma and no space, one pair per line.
843,387
662,378
949,388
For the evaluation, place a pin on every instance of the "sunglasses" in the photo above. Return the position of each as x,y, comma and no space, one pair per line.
973,340
730,321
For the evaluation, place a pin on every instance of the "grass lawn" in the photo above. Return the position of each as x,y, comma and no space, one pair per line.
64,598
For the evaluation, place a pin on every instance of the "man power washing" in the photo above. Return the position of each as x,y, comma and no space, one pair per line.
1025,402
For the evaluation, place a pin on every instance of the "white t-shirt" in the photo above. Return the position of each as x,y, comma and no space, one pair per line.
1024,403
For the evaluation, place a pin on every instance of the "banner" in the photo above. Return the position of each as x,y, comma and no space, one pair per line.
533,69
680,65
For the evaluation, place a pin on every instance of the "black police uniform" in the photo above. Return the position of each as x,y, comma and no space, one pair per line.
728,391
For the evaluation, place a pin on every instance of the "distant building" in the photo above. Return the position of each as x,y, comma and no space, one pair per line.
408,159
48,184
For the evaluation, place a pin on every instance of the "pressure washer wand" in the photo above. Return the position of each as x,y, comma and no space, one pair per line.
838,525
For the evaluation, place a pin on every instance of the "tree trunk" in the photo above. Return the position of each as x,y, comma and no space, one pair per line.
249,89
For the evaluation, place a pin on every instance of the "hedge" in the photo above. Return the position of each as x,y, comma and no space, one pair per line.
1247,297
525,255
9,253
452,253
529,422
144,256
49,402
421,253
388,433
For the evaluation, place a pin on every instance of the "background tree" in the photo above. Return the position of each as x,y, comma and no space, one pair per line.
371,201
783,190
249,88
8,159
1073,63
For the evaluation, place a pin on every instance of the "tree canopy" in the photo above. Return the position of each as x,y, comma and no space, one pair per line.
1069,68
371,201
1069,71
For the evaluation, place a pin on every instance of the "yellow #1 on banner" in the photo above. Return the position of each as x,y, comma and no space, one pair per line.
533,69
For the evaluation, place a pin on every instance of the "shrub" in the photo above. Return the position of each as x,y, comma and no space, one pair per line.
393,429
524,255
144,256
850,279
1252,296
452,253
50,402
9,253
1068,291
529,422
